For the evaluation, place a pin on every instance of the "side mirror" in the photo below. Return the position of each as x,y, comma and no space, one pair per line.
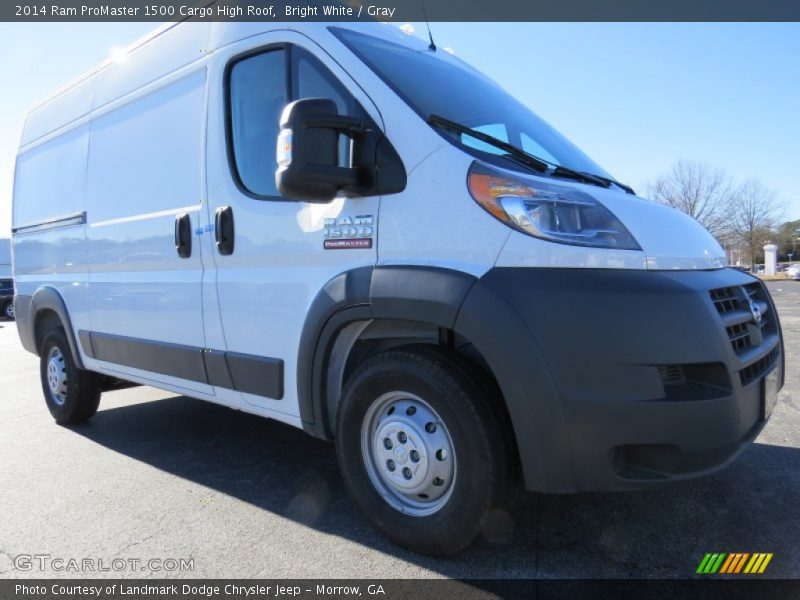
308,151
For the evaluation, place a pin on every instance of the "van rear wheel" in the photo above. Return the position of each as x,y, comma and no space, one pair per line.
421,450
72,394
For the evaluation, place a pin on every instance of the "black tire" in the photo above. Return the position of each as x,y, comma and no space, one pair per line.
483,457
8,310
79,393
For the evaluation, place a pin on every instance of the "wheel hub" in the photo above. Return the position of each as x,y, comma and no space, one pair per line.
57,376
408,453
406,473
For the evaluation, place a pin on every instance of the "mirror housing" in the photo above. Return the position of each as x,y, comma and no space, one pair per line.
308,151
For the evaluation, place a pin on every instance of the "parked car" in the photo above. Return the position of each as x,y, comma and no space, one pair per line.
6,280
353,233
793,272
7,298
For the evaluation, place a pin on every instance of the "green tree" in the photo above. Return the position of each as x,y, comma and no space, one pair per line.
786,236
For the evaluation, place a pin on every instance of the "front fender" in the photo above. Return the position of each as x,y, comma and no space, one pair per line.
502,336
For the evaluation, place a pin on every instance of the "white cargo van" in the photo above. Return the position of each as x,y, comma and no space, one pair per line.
344,229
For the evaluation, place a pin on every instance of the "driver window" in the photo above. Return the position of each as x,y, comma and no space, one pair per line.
257,94
311,79
257,89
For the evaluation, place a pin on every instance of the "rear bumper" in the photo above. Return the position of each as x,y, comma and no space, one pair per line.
631,378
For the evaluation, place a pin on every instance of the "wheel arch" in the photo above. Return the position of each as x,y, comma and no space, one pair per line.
366,294
46,309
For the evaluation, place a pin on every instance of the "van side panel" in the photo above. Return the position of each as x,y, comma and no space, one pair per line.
176,48
144,170
49,242
51,179
143,115
58,112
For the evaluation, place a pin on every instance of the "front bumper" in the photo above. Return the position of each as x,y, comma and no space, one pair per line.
633,377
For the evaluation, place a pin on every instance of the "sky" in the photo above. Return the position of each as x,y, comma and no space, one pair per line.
635,97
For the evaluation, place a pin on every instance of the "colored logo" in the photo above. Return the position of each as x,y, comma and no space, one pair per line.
734,563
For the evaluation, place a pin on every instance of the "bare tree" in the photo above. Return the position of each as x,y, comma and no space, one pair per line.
701,191
755,210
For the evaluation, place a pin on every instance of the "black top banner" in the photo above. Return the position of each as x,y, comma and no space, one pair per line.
400,10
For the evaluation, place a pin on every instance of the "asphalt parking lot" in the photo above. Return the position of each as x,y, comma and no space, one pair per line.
160,476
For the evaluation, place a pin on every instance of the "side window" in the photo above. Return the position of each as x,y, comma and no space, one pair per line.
257,94
310,79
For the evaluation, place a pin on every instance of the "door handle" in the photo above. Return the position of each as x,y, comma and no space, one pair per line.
223,230
183,235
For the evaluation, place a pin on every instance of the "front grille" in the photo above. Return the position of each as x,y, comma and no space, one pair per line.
752,372
750,326
739,337
724,299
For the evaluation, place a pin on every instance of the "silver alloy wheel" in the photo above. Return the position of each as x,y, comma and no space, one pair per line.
57,376
9,310
408,453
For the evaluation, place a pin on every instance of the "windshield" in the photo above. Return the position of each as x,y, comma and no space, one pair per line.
436,83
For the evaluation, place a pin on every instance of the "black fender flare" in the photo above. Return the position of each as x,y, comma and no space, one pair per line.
48,298
425,294
347,291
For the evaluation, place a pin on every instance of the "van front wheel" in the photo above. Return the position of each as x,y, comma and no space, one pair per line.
421,449
72,394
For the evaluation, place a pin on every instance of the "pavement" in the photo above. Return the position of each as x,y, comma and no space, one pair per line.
155,476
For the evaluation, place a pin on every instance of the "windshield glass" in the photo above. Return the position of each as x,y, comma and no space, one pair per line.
437,83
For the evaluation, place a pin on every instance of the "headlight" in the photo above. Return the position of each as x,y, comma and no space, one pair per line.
550,212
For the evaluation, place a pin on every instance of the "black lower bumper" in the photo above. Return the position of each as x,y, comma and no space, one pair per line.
620,379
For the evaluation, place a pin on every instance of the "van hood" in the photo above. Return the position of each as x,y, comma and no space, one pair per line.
670,239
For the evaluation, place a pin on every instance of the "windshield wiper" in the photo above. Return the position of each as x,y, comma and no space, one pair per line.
560,171
628,189
538,164
528,160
